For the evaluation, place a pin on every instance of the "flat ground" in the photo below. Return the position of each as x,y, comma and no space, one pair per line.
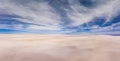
59,48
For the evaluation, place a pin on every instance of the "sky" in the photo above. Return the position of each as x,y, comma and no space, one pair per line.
60,16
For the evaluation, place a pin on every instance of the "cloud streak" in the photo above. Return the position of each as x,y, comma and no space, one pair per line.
58,15
80,14
31,12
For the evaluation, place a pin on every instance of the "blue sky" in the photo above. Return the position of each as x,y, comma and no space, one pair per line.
60,16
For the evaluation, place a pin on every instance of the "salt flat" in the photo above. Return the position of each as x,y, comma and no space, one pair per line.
59,47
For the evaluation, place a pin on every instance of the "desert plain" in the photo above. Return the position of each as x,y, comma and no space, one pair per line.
30,47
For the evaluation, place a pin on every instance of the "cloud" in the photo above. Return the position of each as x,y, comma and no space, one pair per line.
36,27
31,12
57,15
114,27
81,14
15,27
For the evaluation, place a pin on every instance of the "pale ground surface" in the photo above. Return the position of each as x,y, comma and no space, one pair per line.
59,48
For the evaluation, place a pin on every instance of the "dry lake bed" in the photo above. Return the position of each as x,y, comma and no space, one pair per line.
59,47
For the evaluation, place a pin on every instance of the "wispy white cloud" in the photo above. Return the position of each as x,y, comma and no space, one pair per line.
36,27
32,12
115,27
42,16
106,8
14,27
